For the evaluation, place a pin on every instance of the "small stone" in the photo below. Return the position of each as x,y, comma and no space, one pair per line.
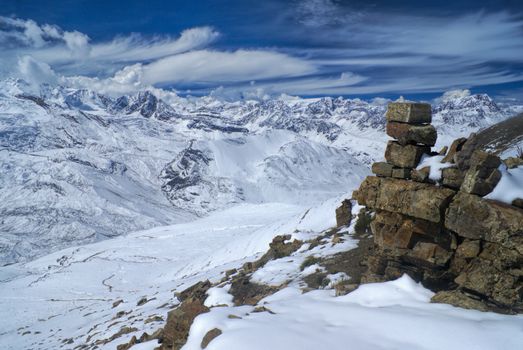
454,148
344,213
412,134
213,333
401,173
518,202
408,112
452,177
382,169
407,156
142,301
513,162
117,302
431,253
420,175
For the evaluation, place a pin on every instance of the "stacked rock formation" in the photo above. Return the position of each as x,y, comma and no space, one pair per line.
441,231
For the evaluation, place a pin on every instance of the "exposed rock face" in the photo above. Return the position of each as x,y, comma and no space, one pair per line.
413,113
442,233
179,322
412,134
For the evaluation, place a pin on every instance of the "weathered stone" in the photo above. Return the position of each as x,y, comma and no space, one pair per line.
196,291
401,173
484,160
420,175
407,112
452,177
473,217
407,156
431,253
245,292
454,148
459,299
179,322
382,169
468,249
476,180
344,213
462,157
406,197
406,133
393,230
443,151
513,162
209,336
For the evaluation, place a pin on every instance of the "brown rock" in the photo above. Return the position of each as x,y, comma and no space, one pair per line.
459,299
196,291
513,162
382,169
401,173
246,292
406,197
209,336
452,177
407,134
473,217
484,160
344,213
421,175
407,156
483,175
443,151
179,323
468,249
431,253
407,112
462,158
454,148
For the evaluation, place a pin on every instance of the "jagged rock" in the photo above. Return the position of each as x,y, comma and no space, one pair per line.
452,177
468,249
454,148
431,253
459,299
209,336
245,292
406,112
344,213
420,175
406,134
401,173
382,169
462,157
279,248
407,156
179,322
483,174
473,217
513,162
406,197
197,291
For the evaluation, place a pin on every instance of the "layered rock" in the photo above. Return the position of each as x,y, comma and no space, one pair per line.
441,231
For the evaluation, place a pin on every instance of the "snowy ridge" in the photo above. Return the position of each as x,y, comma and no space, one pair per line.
80,166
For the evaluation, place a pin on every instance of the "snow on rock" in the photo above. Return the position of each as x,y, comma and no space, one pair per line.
435,165
219,296
510,186
390,315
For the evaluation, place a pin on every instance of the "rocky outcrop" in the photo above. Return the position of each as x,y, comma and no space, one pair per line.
441,231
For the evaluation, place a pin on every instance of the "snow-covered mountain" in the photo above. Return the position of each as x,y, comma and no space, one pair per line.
78,166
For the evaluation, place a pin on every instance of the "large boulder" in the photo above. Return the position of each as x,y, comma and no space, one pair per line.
179,323
410,198
407,156
407,112
406,133
472,217
455,147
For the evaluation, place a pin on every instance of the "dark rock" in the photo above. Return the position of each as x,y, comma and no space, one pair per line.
406,112
245,292
462,157
407,134
431,253
421,175
518,202
468,249
513,162
197,291
401,173
179,323
454,148
344,213
382,169
407,156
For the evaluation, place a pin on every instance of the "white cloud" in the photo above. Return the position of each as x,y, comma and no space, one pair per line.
36,73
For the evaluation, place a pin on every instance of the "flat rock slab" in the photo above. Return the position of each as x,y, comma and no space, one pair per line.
408,112
419,200
407,156
406,133
472,217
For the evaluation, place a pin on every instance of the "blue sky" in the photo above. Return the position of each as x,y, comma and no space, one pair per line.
250,48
